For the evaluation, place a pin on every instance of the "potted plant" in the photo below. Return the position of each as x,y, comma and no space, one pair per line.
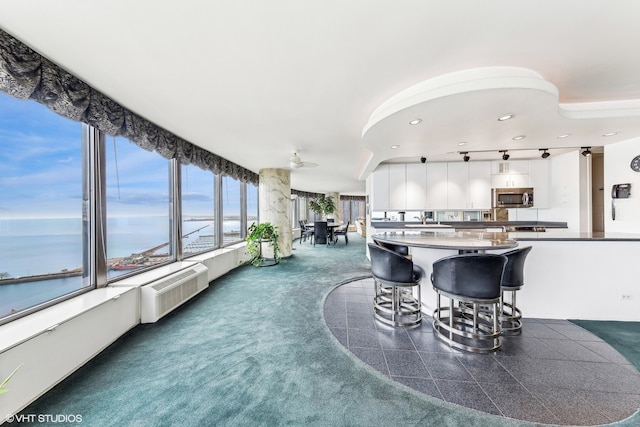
258,234
322,205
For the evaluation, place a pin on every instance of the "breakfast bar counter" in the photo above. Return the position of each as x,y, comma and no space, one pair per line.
589,276
458,240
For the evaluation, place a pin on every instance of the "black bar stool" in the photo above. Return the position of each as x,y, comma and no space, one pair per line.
512,281
395,278
470,280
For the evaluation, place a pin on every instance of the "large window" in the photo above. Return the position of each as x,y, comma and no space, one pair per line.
198,210
138,227
231,199
41,233
252,204
78,208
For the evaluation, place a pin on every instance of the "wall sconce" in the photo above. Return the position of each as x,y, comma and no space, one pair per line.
505,155
586,151
465,156
545,153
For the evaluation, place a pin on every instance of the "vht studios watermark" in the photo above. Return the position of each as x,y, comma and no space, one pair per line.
44,418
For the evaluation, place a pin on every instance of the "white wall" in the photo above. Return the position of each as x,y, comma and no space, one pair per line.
617,158
565,190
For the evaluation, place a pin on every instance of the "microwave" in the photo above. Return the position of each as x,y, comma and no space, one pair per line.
512,197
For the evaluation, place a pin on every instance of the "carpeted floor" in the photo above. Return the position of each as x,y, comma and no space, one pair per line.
253,350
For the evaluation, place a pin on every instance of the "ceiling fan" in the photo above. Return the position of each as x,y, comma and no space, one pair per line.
295,162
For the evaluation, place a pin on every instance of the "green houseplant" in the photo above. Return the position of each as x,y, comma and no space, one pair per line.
258,233
322,205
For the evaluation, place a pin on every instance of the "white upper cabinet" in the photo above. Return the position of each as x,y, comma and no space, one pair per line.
457,185
416,186
514,173
380,189
539,180
397,186
454,185
479,185
469,185
436,186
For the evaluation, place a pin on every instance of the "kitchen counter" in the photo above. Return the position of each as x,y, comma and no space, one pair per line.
470,224
459,240
568,275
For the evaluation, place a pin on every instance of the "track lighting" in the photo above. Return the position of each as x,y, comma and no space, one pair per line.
505,155
423,159
545,153
586,151
465,156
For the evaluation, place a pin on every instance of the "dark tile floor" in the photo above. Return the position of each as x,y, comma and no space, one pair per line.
553,372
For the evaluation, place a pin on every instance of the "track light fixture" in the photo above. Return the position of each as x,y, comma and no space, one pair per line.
586,151
505,155
545,153
465,156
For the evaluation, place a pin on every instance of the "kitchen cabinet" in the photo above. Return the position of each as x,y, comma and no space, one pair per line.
457,185
380,189
469,185
416,186
513,173
539,180
436,186
479,185
397,186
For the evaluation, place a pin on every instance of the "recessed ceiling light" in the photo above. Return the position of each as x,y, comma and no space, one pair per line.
610,133
564,135
519,137
506,117
415,121
460,144
393,147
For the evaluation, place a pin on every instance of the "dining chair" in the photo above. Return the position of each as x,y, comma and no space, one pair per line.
320,233
305,231
343,231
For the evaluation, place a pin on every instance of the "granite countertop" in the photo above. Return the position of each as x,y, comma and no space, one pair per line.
468,224
461,240
574,236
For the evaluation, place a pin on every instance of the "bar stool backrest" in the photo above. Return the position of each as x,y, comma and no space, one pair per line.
476,275
514,271
389,265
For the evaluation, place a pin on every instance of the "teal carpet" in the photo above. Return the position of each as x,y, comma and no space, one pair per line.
253,350
623,336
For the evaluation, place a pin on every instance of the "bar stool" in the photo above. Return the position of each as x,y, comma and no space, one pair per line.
512,281
395,279
470,280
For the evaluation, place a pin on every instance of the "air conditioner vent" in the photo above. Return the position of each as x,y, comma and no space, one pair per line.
164,295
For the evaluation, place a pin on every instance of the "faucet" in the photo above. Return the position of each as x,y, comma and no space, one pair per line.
422,218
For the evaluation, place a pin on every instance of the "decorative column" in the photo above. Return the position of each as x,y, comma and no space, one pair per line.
336,201
274,200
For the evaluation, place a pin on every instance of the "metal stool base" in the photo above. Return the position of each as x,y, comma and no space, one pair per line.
468,327
394,303
510,315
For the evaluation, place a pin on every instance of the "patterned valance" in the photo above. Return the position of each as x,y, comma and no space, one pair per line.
304,194
25,74
353,198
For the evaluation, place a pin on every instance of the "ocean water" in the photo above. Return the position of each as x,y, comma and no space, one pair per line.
40,246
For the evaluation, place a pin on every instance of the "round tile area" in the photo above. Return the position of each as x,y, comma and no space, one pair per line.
554,372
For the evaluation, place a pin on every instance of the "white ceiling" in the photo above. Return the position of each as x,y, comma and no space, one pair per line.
339,80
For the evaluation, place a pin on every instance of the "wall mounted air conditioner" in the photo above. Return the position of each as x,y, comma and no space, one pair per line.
160,297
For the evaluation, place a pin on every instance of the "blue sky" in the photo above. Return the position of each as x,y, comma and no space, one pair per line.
40,170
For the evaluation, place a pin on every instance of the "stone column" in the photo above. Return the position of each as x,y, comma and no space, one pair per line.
336,201
274,200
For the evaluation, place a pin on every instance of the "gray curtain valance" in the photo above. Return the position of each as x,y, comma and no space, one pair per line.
25,74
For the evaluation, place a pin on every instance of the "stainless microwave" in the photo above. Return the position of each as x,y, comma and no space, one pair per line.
512,197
